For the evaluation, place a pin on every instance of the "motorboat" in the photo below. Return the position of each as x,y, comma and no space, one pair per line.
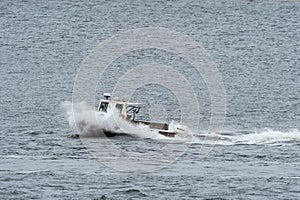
128,111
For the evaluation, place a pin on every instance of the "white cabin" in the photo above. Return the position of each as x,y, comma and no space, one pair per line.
126,109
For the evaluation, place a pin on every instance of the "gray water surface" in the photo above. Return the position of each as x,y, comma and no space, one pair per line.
255,45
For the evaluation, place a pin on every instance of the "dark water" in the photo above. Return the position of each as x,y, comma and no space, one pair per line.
255,45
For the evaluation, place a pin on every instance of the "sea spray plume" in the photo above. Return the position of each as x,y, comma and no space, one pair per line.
84,123
89,122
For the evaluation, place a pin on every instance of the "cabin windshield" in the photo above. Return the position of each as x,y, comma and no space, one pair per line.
103,106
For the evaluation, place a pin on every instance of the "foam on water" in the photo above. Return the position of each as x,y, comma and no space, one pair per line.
265,137
269,136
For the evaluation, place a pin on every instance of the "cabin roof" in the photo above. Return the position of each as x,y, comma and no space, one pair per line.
120,101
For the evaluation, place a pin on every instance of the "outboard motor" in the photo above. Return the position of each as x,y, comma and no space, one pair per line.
181,130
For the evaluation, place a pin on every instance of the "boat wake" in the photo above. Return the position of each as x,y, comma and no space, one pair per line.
90,123
264,137
268,136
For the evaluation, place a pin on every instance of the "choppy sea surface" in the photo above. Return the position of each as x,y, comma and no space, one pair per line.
255,46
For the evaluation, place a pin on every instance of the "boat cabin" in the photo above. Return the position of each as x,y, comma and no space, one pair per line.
126,109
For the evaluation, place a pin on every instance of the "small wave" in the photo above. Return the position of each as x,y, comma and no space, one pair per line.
213,139
14,156
135,192
39,132
74,136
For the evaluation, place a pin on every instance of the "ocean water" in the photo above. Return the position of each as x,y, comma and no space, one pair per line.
255,46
